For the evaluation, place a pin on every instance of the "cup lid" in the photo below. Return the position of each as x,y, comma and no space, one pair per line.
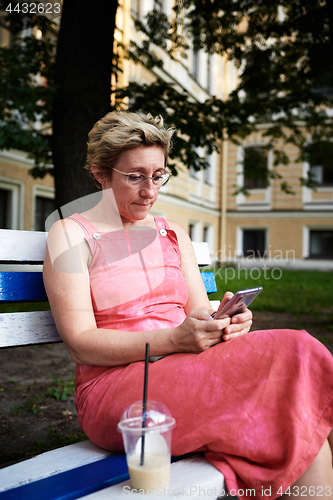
158,417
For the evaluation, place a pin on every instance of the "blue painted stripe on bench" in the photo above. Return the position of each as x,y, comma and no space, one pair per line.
209,282
28,286
74,483
22,287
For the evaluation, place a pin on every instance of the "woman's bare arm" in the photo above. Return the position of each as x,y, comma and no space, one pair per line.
66,281
239,324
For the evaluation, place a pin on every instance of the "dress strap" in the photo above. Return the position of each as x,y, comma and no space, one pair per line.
161,223
87,226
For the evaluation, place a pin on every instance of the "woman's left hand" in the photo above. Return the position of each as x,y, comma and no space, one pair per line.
239,324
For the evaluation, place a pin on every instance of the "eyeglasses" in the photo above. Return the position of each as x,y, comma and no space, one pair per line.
139,179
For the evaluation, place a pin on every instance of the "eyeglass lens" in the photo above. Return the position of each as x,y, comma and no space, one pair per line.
139,178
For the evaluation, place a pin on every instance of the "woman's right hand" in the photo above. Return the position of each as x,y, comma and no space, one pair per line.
198,332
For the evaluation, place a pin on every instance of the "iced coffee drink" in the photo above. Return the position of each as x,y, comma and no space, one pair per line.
154,473
148,448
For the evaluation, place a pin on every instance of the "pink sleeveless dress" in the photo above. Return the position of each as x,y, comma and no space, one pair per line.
260,406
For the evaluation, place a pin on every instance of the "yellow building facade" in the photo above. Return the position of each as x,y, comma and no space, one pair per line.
25,202
267,224
295,229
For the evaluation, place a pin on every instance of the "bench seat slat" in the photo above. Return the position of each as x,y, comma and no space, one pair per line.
22,287
27,328
50,463
107,478
193,477
23,251
75,483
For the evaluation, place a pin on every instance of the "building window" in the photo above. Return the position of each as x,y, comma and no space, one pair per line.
320,158
206,234
208,174
195,65
193,173
135,9
321,176
44,207
158,5
209,73
321,244
255,168
11,204
195,231
254,242
5,208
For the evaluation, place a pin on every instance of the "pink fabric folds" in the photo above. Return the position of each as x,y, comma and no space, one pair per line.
260,406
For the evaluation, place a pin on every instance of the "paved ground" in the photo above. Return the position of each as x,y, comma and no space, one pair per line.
37,410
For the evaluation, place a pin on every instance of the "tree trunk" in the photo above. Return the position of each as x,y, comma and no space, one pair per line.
83,81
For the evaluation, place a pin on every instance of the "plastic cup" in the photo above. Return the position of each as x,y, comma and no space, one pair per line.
154,472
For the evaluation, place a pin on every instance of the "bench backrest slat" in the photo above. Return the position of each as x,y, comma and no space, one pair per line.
201,250
209,282
27,328
22,246
24,251
22,287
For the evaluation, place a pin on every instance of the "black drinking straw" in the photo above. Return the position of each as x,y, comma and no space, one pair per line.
144,406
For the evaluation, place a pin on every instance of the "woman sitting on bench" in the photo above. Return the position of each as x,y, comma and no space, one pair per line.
259,404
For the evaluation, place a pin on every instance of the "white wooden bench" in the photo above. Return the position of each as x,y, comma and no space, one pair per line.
80,470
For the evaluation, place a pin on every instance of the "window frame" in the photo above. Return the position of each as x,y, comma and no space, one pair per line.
245,180
256,254
196,232
240,242
16,209
322,184
40,192
244,202
136,12
307,230
309,194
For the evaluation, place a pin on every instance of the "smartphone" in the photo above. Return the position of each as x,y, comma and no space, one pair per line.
239,302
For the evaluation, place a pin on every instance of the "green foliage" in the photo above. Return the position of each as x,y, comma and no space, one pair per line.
288,291
62,389
56,440
155,30
283,51
197,124
30,406
26,76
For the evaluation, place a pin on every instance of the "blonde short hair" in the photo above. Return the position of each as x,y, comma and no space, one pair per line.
120,131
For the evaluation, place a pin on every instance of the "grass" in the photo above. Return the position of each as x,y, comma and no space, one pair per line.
56,440
30,405
288,291
62,389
